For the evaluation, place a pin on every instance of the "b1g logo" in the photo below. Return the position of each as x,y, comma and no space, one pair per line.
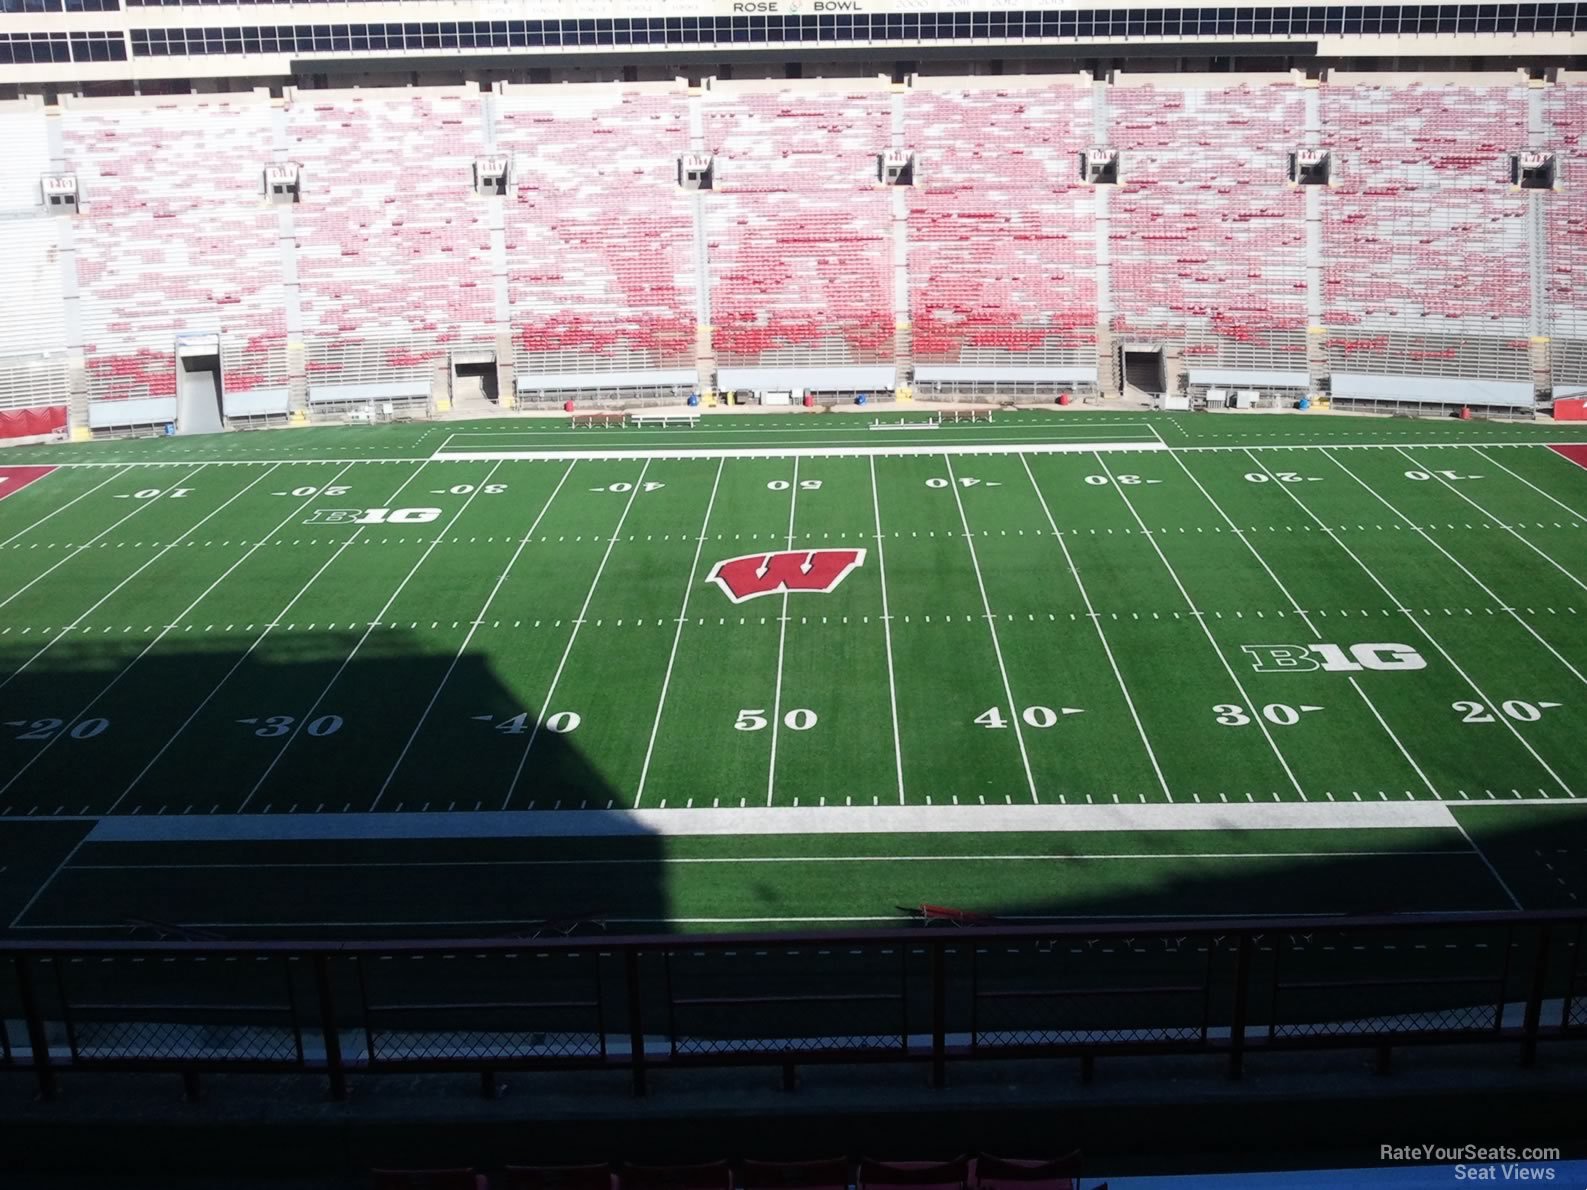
372,516
754,575
1282,659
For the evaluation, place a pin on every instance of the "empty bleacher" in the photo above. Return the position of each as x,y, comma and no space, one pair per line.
393,246
1566,234
172,240
1002,235
599,239
1425,242
33,331
799,237
1207,236
597,273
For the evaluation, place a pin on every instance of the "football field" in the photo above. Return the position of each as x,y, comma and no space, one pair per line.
791,671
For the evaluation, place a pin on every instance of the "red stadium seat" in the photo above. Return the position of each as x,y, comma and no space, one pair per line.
427,1179
1001,1173
710,1175
836,1174
555,1177
946,1175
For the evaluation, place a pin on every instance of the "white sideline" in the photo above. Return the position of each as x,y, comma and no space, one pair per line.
775,820
794,452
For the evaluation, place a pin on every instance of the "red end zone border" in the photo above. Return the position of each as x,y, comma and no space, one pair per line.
1575,452
14,479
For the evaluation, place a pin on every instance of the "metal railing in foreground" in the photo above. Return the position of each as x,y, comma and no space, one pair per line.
1231,988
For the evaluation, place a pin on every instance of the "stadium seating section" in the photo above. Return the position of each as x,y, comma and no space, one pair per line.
1208,240
1002,234
600,239
798,229
596,260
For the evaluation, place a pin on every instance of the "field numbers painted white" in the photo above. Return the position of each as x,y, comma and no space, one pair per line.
754,719
372,516
1282,477
1514,708
650,485
1277,659
1279,714
1128,481
560,723
48,729
805,485
965,481
330,489
151,493
1425,475
272,727
1041,717
467,489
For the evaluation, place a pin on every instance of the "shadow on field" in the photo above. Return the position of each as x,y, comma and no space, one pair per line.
306,858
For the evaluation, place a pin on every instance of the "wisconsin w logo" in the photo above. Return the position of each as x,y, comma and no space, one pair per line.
792,570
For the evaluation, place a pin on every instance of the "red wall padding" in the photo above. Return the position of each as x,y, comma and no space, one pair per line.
24,423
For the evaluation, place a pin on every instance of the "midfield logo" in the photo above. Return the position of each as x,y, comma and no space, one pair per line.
791,570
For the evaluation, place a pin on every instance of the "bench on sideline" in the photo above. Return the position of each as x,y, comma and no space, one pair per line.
663,419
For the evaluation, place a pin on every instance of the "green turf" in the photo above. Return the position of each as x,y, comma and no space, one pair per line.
196,627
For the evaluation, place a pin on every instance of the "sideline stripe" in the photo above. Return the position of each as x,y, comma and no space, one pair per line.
774,820
629,861
801,452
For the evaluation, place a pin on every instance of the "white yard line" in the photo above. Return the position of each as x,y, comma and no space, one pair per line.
473,627
991,623
374,623
39,891
1202,621
545,703
1096,622
1306,619
171,545
683,615
1496,520
63,507
1488,863
161,635
140,506
1488,591
782,641
887,634
258,640
1417,624
1487,458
